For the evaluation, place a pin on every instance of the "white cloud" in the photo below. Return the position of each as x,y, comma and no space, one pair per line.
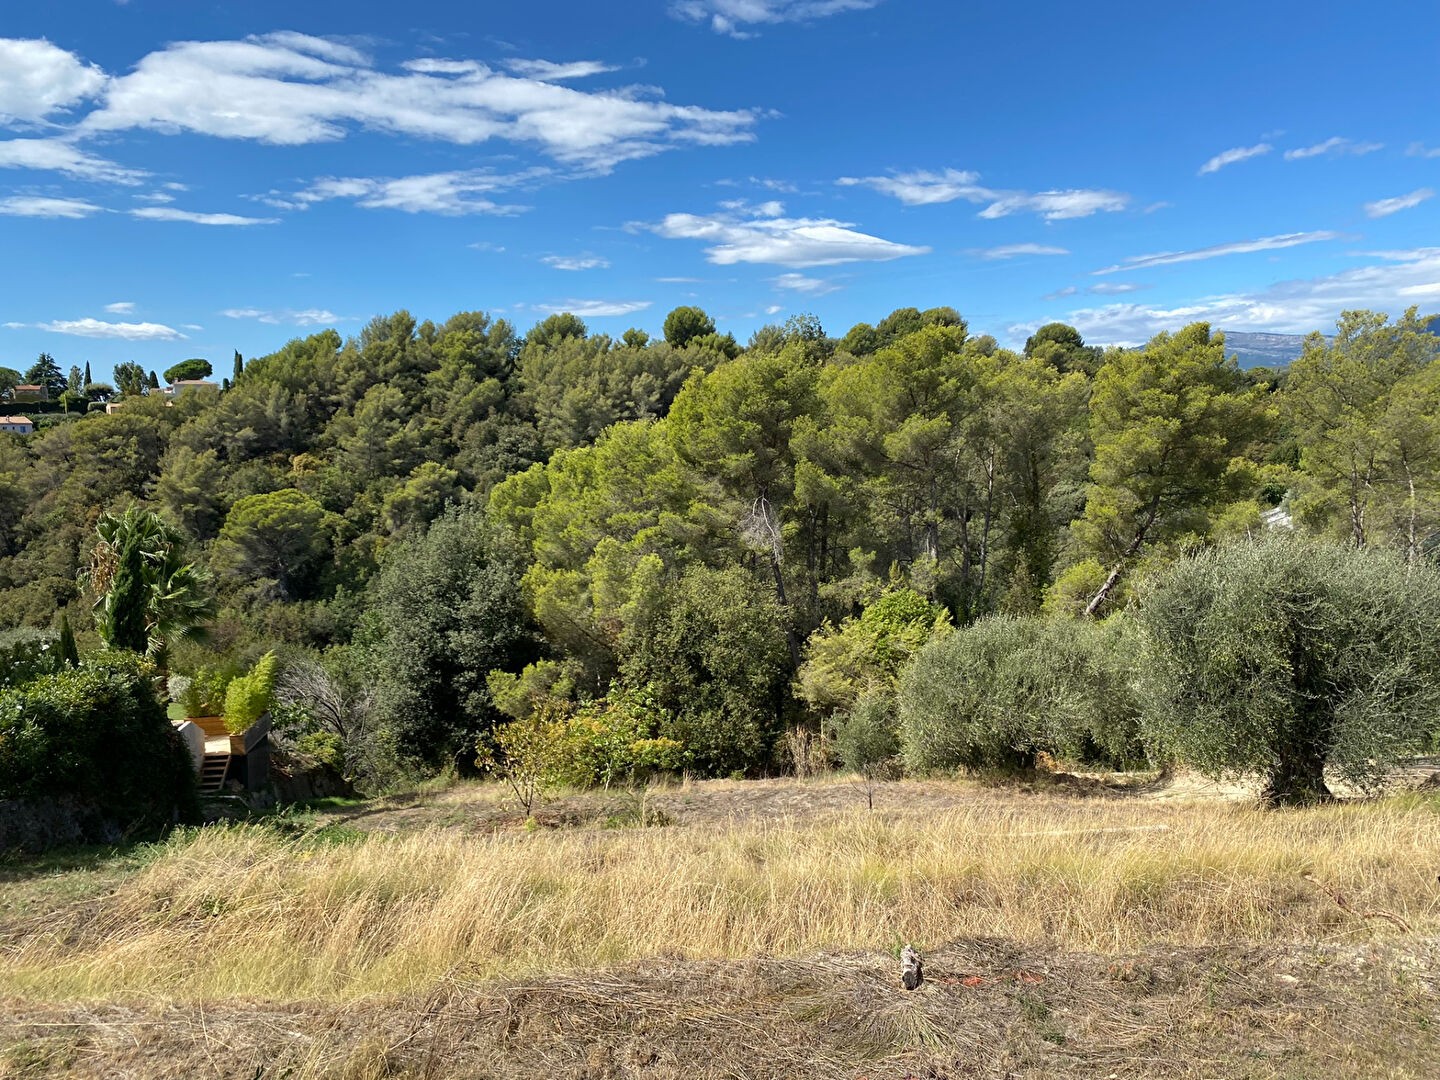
807,285
1417,149
449,193
488,246
576,262
38,206
38,79
1113,288
1231,157
1386,207
923,188
1243,247
58,155
1335,146
308,317
549,71
122,307
595,309
95,328
1011,251
774,309
1295,307
290,89
760,234
733,16
169,213
1061,293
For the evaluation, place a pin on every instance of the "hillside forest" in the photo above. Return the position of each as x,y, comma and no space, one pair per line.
462,541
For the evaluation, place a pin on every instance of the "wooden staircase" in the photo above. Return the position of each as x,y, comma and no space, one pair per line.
214,770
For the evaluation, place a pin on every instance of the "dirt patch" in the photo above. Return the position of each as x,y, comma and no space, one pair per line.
986,1010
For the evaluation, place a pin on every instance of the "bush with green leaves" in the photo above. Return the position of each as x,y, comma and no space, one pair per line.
26,654
866,654
96,741
867,735
996,694
1289,658
203,694
716,658
249,696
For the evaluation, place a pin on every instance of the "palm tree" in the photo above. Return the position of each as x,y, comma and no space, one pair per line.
148,595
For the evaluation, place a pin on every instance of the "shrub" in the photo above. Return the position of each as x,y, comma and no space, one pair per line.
1285,657
96,741
867,735
996,694
26,654
204,694
249,696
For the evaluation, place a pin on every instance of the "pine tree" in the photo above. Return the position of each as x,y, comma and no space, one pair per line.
154,381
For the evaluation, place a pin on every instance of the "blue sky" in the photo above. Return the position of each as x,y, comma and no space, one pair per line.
184,178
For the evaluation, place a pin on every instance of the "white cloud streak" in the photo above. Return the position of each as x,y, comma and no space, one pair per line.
923,188
452,194
1234,156
549,71
308,317
1385,207
1334,146
122,307
62,156
576,262
170,213
732,17
96,328
807,285
1243,247
740,234
38,206
1012,251
595,309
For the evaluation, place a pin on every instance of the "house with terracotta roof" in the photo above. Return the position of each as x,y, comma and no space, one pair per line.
30,392
17,425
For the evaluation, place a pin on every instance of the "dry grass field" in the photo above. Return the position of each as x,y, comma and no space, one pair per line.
743,930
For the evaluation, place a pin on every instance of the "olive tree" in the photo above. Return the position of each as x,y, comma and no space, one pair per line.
1285,657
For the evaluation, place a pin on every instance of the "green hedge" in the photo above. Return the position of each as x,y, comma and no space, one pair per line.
96,738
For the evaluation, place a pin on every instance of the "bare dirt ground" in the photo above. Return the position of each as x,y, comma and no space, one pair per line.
986,1010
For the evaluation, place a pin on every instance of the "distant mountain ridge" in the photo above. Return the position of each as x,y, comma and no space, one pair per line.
1277,350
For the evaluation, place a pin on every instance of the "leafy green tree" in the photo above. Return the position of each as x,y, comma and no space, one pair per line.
188,369
239,368
88,379
1338,400
1286,657
46,372
9,379
448,610
686,323
555,329
280,539
1172,424
130,377
99,391
1061,346
715,658
153,381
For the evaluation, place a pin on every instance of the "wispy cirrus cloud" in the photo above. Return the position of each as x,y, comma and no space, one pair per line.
733,17
1234,156
575,262
1392,280
1334,147
549,71
307,317
62,156
739,233
809,286
1217,251
97,328
120,307
452,194
923,188
1419,149
170,213
595,309
39,206
1385,207
1015,251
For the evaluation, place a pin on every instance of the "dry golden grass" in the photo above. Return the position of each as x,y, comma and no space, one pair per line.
250,913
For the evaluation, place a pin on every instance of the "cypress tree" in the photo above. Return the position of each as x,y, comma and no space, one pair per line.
68,655
239,367
123,623
154,381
